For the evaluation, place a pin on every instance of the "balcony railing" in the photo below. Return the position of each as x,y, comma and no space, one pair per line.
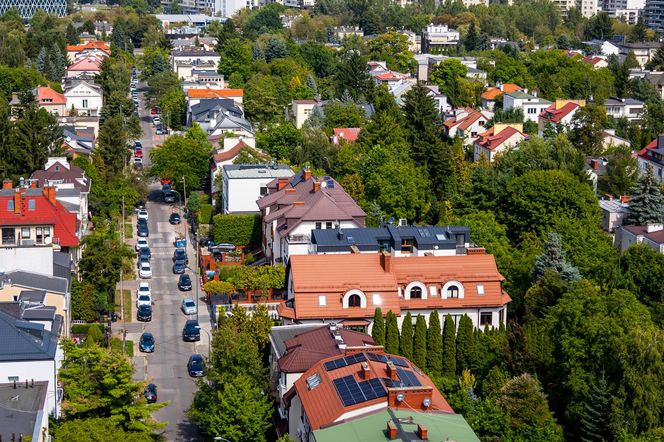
299,239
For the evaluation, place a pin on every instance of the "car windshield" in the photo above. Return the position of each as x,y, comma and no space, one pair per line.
144,298
145,266
144,309
189,304
147,339
185,279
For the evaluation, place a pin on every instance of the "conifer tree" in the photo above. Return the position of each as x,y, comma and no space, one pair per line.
406,341
472,40
465,344
420,342
434,344
391,334
647,203
449,347
378,330
553,258
595,422
311,84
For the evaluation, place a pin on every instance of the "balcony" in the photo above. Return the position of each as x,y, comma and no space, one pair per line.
299,239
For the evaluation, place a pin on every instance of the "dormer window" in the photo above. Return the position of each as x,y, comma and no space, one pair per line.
453,291
354,301
10,205
416,293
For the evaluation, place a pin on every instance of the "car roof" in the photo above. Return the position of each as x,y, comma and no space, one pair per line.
185,275
188,300
143,284
144,307
191,322
147,335
145,264
196,357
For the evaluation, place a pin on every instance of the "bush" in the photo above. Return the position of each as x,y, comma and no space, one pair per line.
241,230
205,215
84,329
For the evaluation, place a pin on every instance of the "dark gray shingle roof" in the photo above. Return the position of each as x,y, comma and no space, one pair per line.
37,281
25,341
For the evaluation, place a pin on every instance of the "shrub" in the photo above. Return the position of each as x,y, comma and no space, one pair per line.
83,329
205,215
241,230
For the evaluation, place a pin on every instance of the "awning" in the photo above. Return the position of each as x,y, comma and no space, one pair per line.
354,323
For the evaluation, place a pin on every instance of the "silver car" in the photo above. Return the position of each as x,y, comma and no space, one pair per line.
188,306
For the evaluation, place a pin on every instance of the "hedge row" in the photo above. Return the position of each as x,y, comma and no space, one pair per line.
82,329
241,230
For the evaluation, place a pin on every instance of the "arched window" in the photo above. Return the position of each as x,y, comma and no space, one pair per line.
416,293
354,301
453,291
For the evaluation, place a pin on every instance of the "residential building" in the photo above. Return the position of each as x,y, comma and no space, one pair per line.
588,8
614,212
191,43
184,61
79,140
499,138
24,411
202,78
195,95
293,207
343,32
437,38
37,289
209,111
656,79
171,23
467,124
654,15
603,47
87,67
84,96
346,289
51,101
27,9
610,139
624,108
626,10
398,240
559,115
490,95
80,123
643,51
301,109
296,348
93,48
243,184
653,155
342,135
596,61
651,235
366,395
532,105
226,153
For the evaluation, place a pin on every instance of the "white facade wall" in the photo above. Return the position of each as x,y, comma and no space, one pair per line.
84,100
28,258
297,242
240,195
658,169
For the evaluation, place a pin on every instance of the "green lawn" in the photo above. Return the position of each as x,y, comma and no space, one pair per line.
116,345
127,304
128,230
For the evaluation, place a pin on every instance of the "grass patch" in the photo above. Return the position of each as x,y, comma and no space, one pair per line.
126,298
116,345
128,230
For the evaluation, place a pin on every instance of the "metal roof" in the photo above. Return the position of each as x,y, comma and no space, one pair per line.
21,408
25,341
254,171
51,284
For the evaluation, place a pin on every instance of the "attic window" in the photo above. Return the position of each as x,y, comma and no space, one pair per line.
322,300
57,168
32,205
10,205
480,289
313,381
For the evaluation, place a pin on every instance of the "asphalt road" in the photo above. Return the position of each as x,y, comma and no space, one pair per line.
167,366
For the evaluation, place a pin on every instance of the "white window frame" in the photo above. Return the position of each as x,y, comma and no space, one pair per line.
416,284
349,293
443,291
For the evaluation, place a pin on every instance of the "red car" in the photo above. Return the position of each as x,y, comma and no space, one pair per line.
165,181
138,153
154,111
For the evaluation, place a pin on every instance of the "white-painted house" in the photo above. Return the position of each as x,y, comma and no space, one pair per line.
531,105
85,96
243,184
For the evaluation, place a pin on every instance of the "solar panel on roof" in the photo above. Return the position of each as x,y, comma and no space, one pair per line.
399,361
391,383
342,362
408,378
330,184
377,357
352,392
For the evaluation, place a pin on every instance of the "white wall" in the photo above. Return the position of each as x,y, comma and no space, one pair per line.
241,194
28,258
81,92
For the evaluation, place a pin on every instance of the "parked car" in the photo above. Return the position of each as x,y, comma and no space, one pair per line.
191,330
141,243
169,196
138,145
160,130
184,283
196,365
156,120
146,271
223,248
179,267
143,289
154,111
146,343
150,393
188,306
145,251
143,230
180,255
143,214
142,259
138,153
143,299
174,218
138,163
144,313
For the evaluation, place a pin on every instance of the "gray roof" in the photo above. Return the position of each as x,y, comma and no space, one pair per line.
206,108
32,296
194,53
71,83
25,341
229,122
62,265
613,101
368,238
51,284
280,334
21,409
67,192
42,313
250,171
614,206
521,95
640,45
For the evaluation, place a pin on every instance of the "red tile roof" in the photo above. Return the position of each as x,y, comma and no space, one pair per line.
555,115
390,76
349,134
493,92
93,44
86,64
657,236
215,93
47,96
592,60
490,141
322,403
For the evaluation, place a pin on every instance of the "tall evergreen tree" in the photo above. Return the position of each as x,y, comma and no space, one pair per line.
378,329
434,344
406,341
42,60
449,347
58,60
391,334
71,34
420,342
311,84
647,204
471,41
420,117
595,422
465,344
112,147
553,258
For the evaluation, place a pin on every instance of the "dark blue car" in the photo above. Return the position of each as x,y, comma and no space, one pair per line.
146,343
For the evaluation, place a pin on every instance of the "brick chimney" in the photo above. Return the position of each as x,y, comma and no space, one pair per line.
476,251
291,191
50,192
298,203
281,183
422,432
391,430
386,262
625,198
316,186
17,201
391,371
7,183
33,184
306,174
366,371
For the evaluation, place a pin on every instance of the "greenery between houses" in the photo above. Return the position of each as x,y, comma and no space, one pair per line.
240,230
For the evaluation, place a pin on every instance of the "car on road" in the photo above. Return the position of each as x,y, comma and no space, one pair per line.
141,243
144,313
143,214
196,365
145,251
160,130
143,289
156,120
169,196
223,248
146,343
188,306
154,111
143,299
150,393
138,145
184,283
174,218
180,255
143,230
142,259
191,331
138,163
138,153
145,271
179,267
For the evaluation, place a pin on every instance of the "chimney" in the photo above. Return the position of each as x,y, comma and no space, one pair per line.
594,164
7,183
625,199
281,183
422,432
17,201
50,192
386,262
391,430
476,251
654,227
391,371
291,190
306,174
366,372
316,186
33,184
298,203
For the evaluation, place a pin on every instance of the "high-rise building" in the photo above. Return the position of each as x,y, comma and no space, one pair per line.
627,10
588,8
27,8
654,14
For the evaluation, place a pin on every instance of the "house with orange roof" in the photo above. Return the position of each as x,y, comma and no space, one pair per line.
194,96
596,61
467,124
347,288
559,115
53,102
94,47
499,138
489,96
345,134
367,395
653,156
293,207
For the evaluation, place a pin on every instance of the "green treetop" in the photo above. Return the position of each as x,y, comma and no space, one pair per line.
406,341
434,344
391,334
647,203
449,347
378,329
420,342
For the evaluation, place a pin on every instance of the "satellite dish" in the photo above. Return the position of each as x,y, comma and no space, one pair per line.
323,184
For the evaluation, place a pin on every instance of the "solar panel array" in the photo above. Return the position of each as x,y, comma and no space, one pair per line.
352,392
382,358
408,378
377,357
399,361
343,362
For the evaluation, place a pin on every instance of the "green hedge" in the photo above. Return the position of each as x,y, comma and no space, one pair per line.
205,216
241,230
82,329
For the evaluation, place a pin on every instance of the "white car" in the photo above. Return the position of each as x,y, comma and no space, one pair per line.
143,300
143,214
189,306
141,244
146,271
143,289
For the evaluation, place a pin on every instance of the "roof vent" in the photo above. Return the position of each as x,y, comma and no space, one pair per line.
313,381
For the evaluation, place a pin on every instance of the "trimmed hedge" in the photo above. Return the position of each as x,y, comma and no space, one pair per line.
82,329
205,215
241,230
